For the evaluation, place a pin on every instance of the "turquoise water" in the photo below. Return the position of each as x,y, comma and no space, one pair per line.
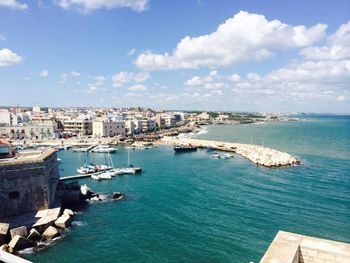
192,208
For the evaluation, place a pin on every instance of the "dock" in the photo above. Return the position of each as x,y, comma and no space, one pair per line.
77,176
259,155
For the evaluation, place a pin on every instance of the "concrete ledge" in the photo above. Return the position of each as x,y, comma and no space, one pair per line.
293,248
28,158
9,258
283,249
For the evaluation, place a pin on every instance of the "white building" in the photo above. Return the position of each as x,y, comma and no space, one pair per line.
130,127
5,117
78,126
36,130
108,128
169,121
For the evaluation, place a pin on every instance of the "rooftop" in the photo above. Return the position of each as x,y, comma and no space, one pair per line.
28,157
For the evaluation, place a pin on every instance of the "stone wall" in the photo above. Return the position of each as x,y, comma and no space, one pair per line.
28,184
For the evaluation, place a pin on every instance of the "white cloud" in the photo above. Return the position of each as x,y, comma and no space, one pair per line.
92,87
338,46
87,6
243,38
66,76
306,82
212,81
124,77
137,87
341,98
234,77
13,4
9,58
2,38
44,73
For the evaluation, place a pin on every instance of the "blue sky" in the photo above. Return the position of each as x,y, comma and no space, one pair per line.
258,55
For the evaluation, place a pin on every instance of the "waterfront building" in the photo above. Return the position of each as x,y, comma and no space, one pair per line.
78,126
34,130
169,121
108,128
204,116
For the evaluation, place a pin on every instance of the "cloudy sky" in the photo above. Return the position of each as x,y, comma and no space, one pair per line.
239,55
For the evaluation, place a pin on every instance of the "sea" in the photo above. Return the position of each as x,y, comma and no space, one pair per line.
191,207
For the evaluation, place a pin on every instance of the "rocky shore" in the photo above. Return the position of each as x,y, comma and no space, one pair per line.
32,230
259,155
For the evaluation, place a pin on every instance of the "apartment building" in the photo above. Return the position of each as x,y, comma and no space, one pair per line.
78,126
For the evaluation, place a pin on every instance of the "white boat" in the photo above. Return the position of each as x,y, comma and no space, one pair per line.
222,156
89,169
81,149
96,177
104,149
106,175
226,156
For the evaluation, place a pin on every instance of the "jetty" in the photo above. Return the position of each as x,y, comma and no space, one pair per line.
259,155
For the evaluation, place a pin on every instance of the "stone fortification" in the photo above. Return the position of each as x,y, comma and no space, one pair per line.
28,183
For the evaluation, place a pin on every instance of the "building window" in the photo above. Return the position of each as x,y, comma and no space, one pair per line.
14,195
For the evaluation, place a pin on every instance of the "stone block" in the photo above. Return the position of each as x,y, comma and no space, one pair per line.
48,219
85,191
20,231
63,221
34,235
4,229
18,243
68,212
50,233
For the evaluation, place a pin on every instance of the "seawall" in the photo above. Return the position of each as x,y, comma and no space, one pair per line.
259,155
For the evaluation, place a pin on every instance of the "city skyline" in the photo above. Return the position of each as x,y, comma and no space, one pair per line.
200,55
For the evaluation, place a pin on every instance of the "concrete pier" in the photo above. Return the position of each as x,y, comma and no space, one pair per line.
9,258
259,155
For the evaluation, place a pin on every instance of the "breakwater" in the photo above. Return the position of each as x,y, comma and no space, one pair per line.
257,154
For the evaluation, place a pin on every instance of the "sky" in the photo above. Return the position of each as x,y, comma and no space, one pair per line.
225,55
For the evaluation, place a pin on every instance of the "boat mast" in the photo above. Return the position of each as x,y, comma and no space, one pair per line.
128,157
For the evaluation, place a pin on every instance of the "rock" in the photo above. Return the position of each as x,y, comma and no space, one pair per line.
68,212
71,196
4,229
117,195
20,231
50,233
18,243
85,191
63,221
48,218
34,235
4,247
